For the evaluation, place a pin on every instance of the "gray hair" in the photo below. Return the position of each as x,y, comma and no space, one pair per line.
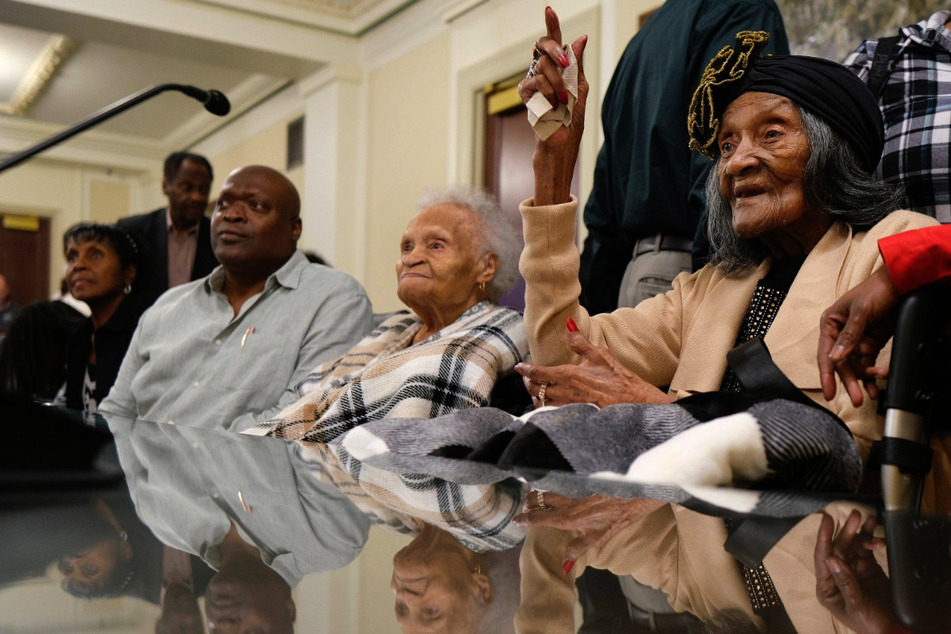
496,232
833,182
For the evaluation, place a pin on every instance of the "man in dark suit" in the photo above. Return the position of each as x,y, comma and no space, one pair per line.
175,241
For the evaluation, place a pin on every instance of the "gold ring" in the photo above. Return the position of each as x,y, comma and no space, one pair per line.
535,52
541,392
540,496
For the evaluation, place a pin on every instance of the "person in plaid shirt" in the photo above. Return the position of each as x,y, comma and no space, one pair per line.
916,105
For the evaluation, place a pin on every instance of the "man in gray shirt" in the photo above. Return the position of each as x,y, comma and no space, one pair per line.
227,350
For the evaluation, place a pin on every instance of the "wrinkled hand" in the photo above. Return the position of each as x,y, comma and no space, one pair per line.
851,334
599,378
555,157
849,582
596,518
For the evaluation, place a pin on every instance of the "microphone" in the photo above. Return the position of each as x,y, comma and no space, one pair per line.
215,101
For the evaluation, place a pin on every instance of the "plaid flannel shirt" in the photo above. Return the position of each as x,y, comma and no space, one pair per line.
916,106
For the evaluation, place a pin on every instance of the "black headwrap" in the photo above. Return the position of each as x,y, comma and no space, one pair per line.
824,88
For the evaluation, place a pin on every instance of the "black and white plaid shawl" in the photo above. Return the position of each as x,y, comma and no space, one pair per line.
916,106
384,376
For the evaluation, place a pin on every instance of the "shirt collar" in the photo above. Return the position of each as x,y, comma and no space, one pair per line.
287,276
931,32
171,227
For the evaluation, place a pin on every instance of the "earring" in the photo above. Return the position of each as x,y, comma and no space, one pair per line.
478,569
481,287
127,289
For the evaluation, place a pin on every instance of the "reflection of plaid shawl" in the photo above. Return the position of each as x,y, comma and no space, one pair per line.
384,376
479,516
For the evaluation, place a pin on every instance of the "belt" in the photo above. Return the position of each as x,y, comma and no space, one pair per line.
660,622
662,242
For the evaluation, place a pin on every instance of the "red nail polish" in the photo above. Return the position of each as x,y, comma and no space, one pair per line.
563,97
567,566
563,60
572,326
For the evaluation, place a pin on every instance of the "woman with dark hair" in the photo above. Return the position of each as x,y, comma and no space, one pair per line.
101,264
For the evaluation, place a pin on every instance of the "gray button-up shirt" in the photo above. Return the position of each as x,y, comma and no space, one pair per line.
193,362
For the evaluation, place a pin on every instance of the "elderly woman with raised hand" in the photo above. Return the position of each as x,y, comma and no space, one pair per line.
795,214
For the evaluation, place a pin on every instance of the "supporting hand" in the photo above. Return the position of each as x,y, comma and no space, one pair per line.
851,334
599,378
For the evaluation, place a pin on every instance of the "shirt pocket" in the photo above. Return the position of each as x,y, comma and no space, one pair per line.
259,364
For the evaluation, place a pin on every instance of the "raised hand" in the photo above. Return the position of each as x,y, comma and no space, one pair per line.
555,157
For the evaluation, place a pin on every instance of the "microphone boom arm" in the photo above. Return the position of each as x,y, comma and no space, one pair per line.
107,113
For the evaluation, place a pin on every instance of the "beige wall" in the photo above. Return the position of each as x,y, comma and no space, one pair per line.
268,147
408,153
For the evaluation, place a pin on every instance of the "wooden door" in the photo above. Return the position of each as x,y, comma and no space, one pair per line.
25,256
509,145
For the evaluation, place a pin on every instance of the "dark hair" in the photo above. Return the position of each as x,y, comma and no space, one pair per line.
833,182
33,354
173,162
123,242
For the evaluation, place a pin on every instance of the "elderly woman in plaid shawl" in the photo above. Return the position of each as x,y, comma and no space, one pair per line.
458,255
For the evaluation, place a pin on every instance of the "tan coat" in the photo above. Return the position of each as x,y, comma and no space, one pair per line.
681,339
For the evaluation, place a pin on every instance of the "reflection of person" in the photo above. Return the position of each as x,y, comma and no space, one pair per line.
442,586
457,257
794,216
849,582
246,593
176,240
101,265
913,97
863,317
647,199
221,351
103,569
190,486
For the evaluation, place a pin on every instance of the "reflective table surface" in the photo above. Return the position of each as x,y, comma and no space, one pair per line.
122,526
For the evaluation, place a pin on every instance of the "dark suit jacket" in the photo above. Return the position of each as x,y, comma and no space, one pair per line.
151,233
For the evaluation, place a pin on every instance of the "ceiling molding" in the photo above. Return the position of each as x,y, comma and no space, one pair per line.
347,73
56,51
244,96
401,34
91,147
191,19
459,9
347,18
